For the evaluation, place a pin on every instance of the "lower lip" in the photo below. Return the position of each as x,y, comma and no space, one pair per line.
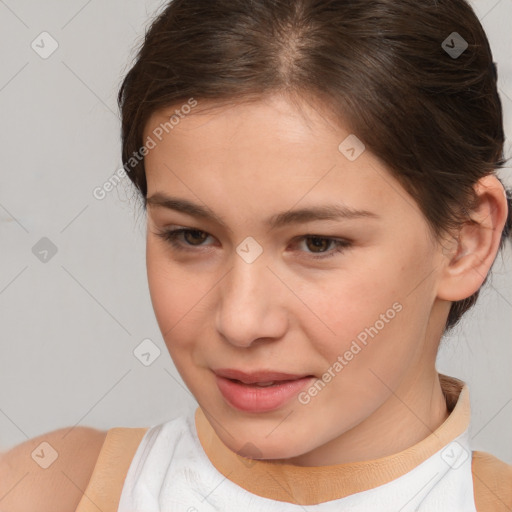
260,399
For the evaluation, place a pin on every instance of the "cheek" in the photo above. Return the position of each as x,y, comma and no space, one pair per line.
181,297
367,352
369,315
171,293
172,303
346,301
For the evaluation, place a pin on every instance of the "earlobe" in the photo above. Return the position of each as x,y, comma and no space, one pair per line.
471,257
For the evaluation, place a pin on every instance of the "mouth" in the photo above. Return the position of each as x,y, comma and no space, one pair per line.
259,392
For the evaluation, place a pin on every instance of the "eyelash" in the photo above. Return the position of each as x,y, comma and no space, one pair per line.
171,236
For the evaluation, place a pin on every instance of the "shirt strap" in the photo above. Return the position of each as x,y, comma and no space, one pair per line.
105,486
492,483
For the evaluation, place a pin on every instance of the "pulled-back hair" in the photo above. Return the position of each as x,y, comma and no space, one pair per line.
382,68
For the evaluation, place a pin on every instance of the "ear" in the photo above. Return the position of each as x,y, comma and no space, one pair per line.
471,256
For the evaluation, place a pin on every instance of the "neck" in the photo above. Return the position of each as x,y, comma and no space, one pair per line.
411,413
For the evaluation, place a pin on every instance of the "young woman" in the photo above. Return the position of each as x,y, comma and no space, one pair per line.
319,179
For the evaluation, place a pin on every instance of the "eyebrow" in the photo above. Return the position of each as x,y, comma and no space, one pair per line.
302,215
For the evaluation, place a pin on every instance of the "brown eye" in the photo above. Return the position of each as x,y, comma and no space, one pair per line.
318,244
321,247
194,237
184,239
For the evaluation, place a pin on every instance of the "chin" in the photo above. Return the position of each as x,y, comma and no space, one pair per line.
264,450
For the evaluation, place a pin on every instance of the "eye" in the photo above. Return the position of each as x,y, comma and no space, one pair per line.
192,237
185,239
320,243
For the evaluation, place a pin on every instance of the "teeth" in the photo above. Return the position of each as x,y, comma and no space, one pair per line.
264,384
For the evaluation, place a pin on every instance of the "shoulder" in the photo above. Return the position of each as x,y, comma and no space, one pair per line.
492,483
49,472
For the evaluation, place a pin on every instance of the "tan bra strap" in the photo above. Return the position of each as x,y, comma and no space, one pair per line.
104,489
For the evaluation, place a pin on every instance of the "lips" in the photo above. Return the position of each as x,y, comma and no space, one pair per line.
258,376
256,398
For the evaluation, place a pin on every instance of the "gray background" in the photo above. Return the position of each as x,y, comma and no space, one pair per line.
70,325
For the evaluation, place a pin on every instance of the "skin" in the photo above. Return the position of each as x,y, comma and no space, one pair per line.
288,311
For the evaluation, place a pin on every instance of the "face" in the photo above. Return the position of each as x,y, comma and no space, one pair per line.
348,300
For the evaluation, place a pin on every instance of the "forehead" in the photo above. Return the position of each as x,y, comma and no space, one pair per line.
278,117
262,154
272,131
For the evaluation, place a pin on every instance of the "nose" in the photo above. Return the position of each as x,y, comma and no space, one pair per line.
251,304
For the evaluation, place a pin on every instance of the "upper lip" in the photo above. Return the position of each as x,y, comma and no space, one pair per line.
257,376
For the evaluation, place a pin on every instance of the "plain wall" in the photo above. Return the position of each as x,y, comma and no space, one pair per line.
70,325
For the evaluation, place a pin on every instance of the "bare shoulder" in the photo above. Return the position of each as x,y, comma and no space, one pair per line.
49,472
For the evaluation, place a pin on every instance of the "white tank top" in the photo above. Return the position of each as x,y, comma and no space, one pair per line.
171,472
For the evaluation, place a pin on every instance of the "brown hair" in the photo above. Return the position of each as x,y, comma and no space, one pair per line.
382,67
